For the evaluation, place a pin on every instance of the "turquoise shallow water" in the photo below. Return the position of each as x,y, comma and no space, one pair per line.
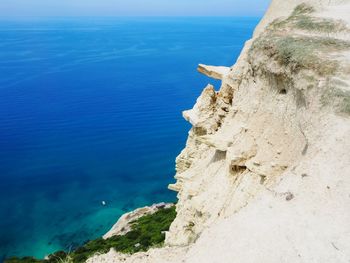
90,110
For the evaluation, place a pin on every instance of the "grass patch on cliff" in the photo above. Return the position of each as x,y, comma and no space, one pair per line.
303,9
319,24
146,232
283,43
337,98
301,19
301,52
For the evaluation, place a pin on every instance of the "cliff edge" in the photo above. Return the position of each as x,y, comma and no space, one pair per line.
265,175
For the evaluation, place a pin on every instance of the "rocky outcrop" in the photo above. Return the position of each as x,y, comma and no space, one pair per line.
265,173
213,71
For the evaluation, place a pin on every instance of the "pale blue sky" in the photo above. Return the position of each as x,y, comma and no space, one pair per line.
132,7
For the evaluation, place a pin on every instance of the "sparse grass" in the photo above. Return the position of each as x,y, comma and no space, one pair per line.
302,9
310,79
345,105
319,24
339,98
300,99
301,19
336,96
146,232
301,52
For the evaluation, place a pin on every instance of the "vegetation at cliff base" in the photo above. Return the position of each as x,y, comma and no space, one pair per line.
147,231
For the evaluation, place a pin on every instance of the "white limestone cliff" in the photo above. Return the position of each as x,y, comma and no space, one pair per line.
265,175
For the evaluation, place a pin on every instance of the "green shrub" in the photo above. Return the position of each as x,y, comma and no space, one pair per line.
145,232
23,260
57,257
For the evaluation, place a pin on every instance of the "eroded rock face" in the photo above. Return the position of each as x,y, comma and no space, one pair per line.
270,122
201,114
265,174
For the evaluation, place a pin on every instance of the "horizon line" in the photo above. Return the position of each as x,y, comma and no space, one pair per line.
126,16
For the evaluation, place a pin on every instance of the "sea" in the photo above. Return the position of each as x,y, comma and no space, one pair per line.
90,112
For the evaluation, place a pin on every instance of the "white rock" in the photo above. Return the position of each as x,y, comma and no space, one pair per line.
215,72
266,212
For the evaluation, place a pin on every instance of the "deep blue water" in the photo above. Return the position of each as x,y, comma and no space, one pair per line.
90,110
